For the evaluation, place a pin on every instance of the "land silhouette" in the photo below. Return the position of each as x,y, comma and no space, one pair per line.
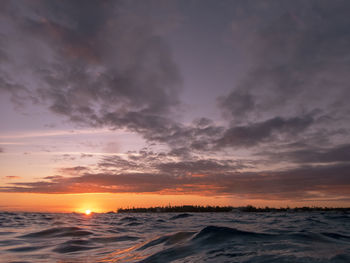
248,208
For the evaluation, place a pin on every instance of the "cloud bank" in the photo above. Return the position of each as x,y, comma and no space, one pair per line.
155,173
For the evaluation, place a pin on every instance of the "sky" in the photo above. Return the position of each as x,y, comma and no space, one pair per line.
109,104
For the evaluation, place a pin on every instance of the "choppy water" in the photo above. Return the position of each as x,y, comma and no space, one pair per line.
202,237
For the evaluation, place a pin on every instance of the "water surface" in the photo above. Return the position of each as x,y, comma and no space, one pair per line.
171,237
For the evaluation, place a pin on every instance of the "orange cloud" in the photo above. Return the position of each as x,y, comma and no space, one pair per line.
12,177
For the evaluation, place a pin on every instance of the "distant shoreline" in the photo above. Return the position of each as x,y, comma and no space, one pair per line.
202,209
205,209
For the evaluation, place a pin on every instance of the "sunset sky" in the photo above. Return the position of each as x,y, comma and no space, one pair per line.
108,104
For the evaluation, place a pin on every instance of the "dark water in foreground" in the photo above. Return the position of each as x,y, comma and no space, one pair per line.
202,237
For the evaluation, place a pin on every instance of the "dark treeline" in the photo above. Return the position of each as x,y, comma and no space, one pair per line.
249,208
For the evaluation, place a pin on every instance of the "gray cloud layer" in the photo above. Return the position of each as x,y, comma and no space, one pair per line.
108,64
253,134
336,154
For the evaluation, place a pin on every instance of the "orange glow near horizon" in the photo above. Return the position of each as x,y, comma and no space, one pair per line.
100,203
87,212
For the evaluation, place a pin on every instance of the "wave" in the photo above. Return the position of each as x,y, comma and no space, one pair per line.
71,248
208,236
58,232
26,248
128,219
220,233
168,240
221,240
184,215
337,236
134,224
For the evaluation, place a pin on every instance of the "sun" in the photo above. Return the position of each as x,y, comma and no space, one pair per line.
87,212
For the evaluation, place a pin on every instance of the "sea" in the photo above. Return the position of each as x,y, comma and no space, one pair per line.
175,237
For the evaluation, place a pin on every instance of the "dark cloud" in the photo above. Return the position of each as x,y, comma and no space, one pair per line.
86,155
194,136
330,181
180,152
199,167
119,164
237,104
266,131
339,153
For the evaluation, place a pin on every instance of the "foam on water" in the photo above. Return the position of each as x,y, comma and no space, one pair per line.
190,237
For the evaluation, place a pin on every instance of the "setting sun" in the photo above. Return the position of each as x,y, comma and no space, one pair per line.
87,212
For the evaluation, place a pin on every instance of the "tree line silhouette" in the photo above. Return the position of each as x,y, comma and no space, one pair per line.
248,208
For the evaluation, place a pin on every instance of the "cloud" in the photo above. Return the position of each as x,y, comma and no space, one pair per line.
107,65
86,155
266,131
237,104
11,177
1,150
102,63
297,56
150,172
110,65
201,166
72,171
339,153
331,181
162,162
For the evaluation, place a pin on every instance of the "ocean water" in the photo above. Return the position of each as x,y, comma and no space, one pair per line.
169,237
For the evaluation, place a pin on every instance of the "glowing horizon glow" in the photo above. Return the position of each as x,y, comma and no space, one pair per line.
87,212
